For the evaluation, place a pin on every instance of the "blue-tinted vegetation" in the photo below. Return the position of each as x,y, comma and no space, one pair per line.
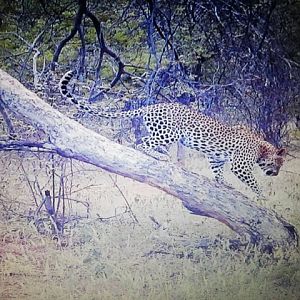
238,60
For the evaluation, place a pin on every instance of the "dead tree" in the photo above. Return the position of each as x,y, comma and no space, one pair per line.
200,195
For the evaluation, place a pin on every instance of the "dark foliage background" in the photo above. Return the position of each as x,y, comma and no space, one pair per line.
238,60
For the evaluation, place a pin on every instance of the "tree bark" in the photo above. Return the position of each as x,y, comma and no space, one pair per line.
202,196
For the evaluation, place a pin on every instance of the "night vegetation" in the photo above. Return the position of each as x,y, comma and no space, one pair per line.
235,59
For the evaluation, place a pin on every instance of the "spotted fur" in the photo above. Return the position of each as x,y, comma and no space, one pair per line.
168,123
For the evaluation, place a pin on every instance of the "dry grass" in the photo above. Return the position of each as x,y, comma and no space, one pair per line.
167,254
120,261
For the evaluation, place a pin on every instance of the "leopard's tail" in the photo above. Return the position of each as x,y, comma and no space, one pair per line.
83,105
63,86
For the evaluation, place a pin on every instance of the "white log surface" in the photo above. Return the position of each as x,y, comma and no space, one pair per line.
202,196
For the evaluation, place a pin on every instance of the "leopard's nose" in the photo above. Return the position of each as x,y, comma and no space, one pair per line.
272,173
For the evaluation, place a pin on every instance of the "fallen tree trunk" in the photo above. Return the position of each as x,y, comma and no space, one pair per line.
198,194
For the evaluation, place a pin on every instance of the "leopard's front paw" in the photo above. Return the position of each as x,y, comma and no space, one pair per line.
162,157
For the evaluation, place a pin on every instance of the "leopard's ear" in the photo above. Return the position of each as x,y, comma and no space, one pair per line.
281,152
264,151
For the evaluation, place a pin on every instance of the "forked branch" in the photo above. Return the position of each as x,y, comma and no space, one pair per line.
104,49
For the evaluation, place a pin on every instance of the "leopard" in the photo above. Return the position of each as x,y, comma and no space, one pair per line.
168,123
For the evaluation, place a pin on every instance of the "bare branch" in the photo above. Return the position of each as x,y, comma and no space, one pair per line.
76,27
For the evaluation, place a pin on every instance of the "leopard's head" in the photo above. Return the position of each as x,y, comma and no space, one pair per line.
271,159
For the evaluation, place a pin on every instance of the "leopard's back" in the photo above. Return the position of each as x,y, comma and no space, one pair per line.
167,123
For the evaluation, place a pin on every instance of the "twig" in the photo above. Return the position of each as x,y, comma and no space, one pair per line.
10,128
29,184
125,199
27,145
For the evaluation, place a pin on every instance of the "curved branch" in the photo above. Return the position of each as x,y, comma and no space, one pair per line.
105,50
76,27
